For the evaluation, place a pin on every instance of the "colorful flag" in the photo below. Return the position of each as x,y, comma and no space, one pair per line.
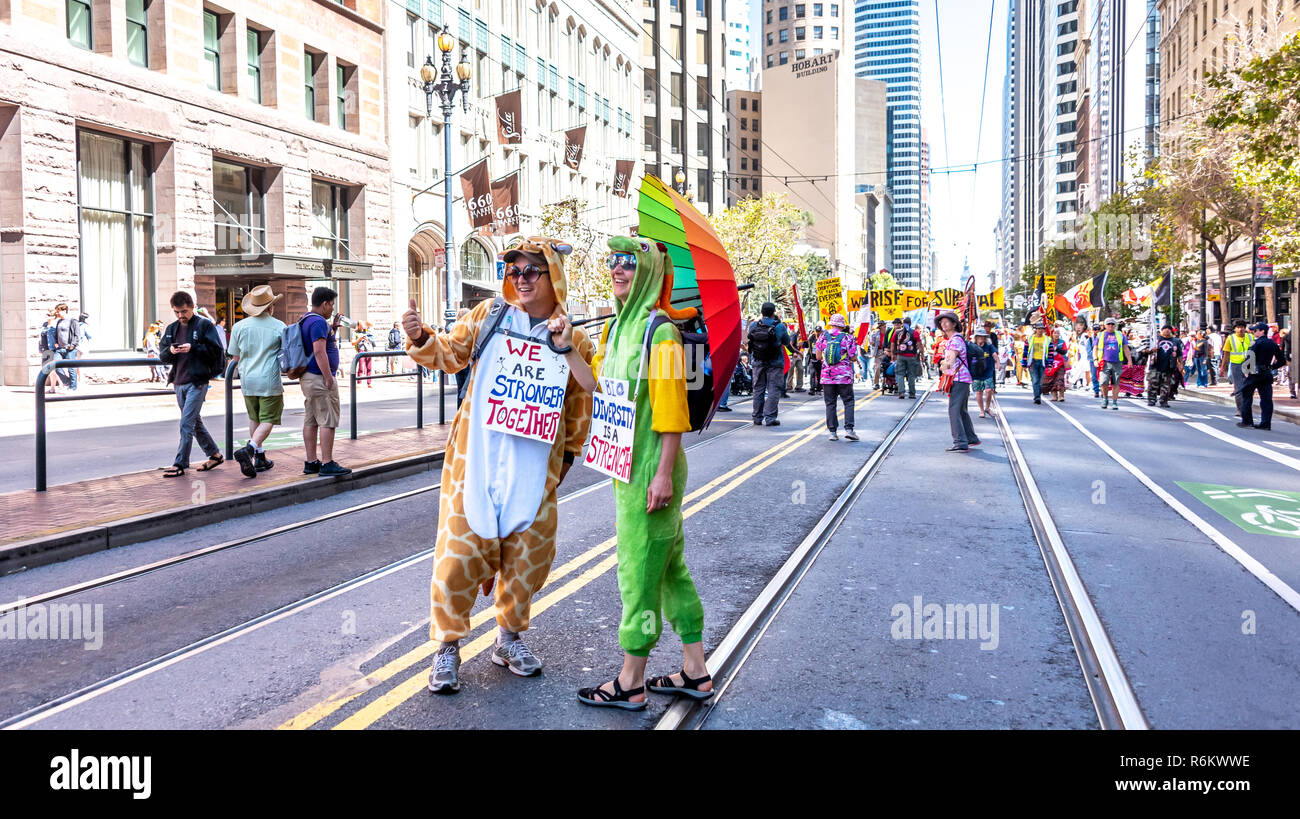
1083,296
798,311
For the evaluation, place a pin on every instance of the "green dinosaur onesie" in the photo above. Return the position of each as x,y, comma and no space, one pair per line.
652,573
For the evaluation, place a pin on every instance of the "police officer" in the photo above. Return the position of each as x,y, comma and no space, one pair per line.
1166,361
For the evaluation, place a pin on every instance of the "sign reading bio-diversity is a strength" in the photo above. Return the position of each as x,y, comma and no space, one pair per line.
526,396
613,423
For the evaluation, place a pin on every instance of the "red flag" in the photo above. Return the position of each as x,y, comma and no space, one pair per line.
785,361
798,309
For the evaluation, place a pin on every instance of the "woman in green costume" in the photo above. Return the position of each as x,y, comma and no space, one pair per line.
653,580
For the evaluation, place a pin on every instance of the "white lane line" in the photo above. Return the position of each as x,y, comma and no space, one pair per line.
1285,460
1249,563
1126,704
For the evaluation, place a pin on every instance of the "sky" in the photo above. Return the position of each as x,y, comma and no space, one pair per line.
965,205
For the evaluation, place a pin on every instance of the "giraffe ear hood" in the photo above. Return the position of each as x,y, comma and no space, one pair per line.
541,249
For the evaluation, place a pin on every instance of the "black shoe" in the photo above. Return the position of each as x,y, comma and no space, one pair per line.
773,423
1245,425
911,395
758,423
955,448
311,468
724,409
1164,403
244,455
332,469
1038,400
1151,403
1263,426
260,463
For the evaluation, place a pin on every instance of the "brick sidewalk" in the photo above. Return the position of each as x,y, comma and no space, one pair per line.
68,507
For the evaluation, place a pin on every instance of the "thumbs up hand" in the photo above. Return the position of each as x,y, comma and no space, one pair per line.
411,323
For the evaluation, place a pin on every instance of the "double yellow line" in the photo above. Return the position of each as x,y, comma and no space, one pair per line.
693,502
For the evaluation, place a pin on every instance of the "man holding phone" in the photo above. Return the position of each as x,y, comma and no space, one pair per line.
194,349
320,390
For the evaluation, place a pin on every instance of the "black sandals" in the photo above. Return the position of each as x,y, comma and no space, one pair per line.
619,699
688,688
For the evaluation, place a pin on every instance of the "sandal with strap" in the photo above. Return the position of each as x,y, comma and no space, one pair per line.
619,699
212,462
688,688
173,472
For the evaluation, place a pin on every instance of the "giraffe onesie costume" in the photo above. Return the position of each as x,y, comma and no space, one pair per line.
496,514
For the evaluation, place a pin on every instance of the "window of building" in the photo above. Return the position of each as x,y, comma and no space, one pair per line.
744,183
753,125
311,64
212,49
137,32
835,32
476,264
412,39
744,143
651,133
702,142
753,106
785,57
702,95
783,13
800,32
744,164
769,16
675,137
79,23
254,64
769,60
238,212
344,93
769,38
817,32
800,10
744,103
835,10
817,9
816,51
798,53
675,42
115,199
1066,107
754,164
744,124
784,35
329,222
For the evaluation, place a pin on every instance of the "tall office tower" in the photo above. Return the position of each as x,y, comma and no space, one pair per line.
887,47
1045,123
1152,133
795,31
927,255
1007,245
739,51
682,57
1114,74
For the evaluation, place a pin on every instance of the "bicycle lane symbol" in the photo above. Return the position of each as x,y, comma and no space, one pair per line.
1258,511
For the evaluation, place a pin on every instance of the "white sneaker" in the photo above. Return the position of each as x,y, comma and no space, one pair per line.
513,654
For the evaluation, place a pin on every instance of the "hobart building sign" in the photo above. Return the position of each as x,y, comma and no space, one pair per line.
815,65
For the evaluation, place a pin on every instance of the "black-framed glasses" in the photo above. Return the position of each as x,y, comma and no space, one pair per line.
626,260
527,275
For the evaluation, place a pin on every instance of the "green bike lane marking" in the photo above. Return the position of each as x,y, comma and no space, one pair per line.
1257,511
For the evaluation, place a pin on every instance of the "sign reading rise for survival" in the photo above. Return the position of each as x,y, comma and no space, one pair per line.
830,298
613,422
526,394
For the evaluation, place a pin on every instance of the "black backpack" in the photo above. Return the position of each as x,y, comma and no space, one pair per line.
979,361
763,345
699,379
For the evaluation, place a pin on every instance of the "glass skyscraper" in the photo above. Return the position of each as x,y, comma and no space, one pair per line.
887,48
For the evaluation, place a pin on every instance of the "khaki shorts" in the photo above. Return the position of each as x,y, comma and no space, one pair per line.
1110,372
320,406
264,409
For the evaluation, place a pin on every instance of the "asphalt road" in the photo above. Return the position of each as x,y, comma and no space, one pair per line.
327,627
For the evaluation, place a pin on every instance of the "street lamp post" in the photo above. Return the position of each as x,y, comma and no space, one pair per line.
440,82
680,179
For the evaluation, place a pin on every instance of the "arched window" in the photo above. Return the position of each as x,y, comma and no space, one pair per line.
476,264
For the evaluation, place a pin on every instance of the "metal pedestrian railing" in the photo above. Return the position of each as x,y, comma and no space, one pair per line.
76,364
418,372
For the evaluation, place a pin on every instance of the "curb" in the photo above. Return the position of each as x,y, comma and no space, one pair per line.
1283,413
42,551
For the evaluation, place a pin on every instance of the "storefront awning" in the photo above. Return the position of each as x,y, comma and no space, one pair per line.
281,266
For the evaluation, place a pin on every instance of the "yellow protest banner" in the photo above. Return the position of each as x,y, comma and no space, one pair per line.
945,299
830,297
1049,296
992,301
856,299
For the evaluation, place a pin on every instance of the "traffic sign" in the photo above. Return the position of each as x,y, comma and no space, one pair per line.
1264,252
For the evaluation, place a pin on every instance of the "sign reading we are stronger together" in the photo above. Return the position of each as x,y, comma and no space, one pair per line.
526,395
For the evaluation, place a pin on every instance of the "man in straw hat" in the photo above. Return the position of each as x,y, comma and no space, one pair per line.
497,508
255,344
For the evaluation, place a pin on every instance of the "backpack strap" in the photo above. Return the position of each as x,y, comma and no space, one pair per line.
496,315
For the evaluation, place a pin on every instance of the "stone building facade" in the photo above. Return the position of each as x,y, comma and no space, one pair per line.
154,145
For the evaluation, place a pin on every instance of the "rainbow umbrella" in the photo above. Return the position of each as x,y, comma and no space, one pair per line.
702,275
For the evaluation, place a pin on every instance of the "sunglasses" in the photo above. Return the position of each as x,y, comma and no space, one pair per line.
527,275
627,260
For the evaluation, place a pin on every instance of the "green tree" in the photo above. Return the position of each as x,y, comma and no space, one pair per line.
588,279
759,236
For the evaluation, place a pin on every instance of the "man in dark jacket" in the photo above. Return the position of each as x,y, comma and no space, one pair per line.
767,339
1165,361
194,349
1267,356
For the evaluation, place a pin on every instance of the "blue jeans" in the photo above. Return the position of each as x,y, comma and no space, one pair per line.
1096,385
1202,372
1036,376
189,397
69,377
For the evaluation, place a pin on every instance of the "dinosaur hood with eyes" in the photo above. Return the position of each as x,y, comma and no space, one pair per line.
652,288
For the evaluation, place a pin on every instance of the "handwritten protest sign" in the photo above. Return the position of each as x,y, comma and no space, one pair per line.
830,298
613,422
526,397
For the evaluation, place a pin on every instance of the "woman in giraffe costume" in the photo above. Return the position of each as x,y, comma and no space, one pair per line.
653,580
497,510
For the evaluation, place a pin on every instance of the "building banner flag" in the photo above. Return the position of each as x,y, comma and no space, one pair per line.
623,176
574,139
509,117
476,184
505,205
